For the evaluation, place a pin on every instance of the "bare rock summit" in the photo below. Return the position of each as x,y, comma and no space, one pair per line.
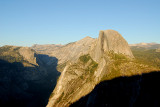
78,78
110,40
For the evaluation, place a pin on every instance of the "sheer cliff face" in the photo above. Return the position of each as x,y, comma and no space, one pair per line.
110,40
80,77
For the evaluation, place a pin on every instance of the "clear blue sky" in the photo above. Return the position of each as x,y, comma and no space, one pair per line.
28,22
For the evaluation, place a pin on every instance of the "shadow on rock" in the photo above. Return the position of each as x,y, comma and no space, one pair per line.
135,91
22,86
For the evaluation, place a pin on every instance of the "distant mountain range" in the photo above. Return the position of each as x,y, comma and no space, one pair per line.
146,45
100,72
50,49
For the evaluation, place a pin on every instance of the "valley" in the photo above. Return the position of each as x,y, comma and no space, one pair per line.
91,72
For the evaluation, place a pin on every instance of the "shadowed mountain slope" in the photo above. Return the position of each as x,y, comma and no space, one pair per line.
26,78
134,91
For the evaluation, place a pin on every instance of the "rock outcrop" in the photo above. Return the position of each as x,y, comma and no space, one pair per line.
28,55
66,53
71,52
110,40
27,78
79,77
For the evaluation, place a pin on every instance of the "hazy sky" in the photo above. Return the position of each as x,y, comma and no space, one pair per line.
27,22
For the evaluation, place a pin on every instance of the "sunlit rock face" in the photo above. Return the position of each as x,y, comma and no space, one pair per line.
81,75
68,52
110,40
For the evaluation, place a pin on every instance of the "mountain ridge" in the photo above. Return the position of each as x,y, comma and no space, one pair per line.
108,57
83,64
27,78
146,45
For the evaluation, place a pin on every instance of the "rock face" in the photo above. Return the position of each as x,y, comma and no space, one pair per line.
110,40
71,52
28,55
75,81
27,78
79,77
66,53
